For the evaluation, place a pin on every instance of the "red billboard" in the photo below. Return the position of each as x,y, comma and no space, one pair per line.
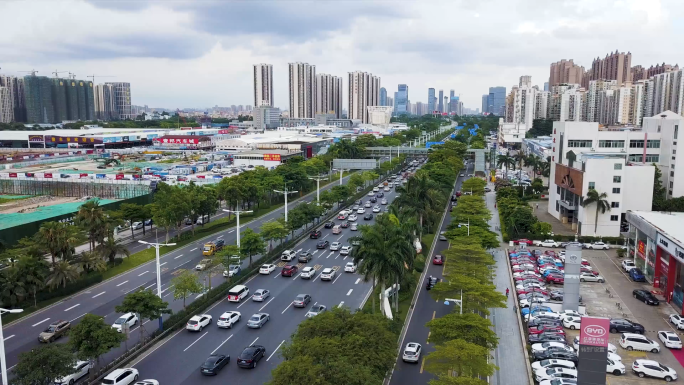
82,175
47,175
272,157
119,176
177,140
13,175
186,128
594,331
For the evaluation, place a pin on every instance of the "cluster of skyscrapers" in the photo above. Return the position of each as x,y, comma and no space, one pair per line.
494,102
443,104
43,100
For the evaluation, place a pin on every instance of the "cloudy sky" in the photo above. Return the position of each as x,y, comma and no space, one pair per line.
189,53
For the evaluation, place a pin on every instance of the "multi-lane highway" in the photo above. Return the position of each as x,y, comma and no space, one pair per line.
177,360
22,335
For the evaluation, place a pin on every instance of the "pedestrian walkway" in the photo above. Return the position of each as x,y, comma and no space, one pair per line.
541,211
509,355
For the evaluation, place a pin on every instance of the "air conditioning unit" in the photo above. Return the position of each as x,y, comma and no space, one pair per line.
592,149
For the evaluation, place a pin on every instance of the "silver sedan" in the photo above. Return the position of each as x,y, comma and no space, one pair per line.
258,320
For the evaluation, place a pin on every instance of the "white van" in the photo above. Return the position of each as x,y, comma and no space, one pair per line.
237,293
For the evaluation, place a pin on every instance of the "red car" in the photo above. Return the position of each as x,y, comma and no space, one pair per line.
585,263
458,193
289,270
523,240
546,328
438,260
586,270
557,279
531,290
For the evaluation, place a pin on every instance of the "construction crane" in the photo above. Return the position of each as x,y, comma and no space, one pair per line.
99,76
72,76
56,73
32,72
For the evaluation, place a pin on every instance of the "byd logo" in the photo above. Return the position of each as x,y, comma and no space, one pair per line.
595,331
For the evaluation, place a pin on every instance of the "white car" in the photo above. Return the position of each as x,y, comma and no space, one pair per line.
572,323
677,321
228,319
267,268
386,189
81,369
367,205
327,274
670,339
569,313
552,363
354,227
352,218
590,277
596,246
546,345
376,209
288,255
551,373
650,368
549,243
531,286
335,246
198,322
633,341
308,272
124,376
361,210
376,189
615,367
628,265
411,352
383,201
371,193
315,310
350,267
260,295
233,270
345,250
203,264
128,319
545,314
137,225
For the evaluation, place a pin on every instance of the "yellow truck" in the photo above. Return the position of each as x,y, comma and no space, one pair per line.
210,248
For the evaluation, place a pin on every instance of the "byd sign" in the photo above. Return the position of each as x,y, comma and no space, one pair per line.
594,331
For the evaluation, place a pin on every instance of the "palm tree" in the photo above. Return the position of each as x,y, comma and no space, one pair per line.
50,236
419,196
602,204
62,273
91,218
504,160
112,247
33,272
91,261
12,290
545,170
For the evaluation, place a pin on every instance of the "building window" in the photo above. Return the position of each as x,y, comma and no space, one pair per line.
672,174
616,190
617,179
650,158
636,144
614,218
557,206
672,166
617,166
612,143
670,192
592,185
557,189
671,184
674,151
579,143
614,204
653,144
675,131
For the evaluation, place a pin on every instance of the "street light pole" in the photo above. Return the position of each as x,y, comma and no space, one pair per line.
458,301
285,192
318,188
237,214
156,246
3,363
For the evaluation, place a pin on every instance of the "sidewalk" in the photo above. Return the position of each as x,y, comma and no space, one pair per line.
509,355
543,215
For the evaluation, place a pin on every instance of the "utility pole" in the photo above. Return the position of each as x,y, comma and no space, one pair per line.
285,192
318,188
459,302
237,213
156,246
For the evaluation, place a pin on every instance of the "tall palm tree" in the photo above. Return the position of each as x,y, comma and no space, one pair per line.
12,290
112,247
33,272
51,237
601,201
545,170
504,160
62,273
91,261
420,196
91,218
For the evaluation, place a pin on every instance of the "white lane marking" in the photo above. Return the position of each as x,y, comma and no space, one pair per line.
349,292
296,276
276,276
121,283
198,295
166,294
205,333
267,302
220,236
78,317
178,256
276,349
288,306
230,231
97,295
166,289
253,342
357,281
181,264
144,272
316,277
194,249
150,286
340,237
341,303
240,305
75,306
36,324
331,253
163,264
315,251
338,255
6,338
217,348
325,236
338,277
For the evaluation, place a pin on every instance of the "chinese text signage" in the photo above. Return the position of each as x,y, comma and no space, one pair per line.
272,157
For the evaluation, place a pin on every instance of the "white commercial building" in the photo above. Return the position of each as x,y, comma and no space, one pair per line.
511,133
263,85
302,90
380,115
521,103
666,125
617,163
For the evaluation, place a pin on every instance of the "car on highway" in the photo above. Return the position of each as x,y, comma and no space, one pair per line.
327,274
376,209
301,300
250,356
345,250
591,277
367,204
213,364
305,257
258,320
628,265
123,376
442,236
260,295
342,225
622,325
233,270
368,217
633,341
198,322
329,224
289,270
203,264
54,331
322,244
431,282
288,255
597,246
650,368
228,319
354,227
374,200
361,210
315,310
386,189
356,207
350,267
383,201
637,275
437,260
315,234
412,352
267,268
670,339
127,320
80,370
376,189
335,246
645,296
380,195
308,272
677,320
352,218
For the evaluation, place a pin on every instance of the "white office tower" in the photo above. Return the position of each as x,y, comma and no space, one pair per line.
364,91
302,90
105,103
122,100
329,95
263,85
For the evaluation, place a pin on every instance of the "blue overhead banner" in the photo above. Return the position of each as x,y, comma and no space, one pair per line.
430,144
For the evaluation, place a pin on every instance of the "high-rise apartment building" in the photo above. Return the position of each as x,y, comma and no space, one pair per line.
565,72
593,104
440,102
59,100
541,109
383,96
39,105
485,103
641,73
6,111
521,103
263,85
122,99
401,99
105,102
10,82
497,101
329,95
664,92
364,91
302,90
431,100
615,66
566,102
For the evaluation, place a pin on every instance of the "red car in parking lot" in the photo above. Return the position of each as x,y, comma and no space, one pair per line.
437,260
289,270
523,240
555,278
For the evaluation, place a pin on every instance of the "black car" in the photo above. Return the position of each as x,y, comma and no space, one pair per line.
305,257
344,224
359,202
544,322
374,200
213,364
555,354
621,325
432,281
487,189
546,337
315,234
368,217
646,297
329,225
380,195
322,244
249,357
454,198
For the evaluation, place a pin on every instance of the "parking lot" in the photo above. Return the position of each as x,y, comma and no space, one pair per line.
613,299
